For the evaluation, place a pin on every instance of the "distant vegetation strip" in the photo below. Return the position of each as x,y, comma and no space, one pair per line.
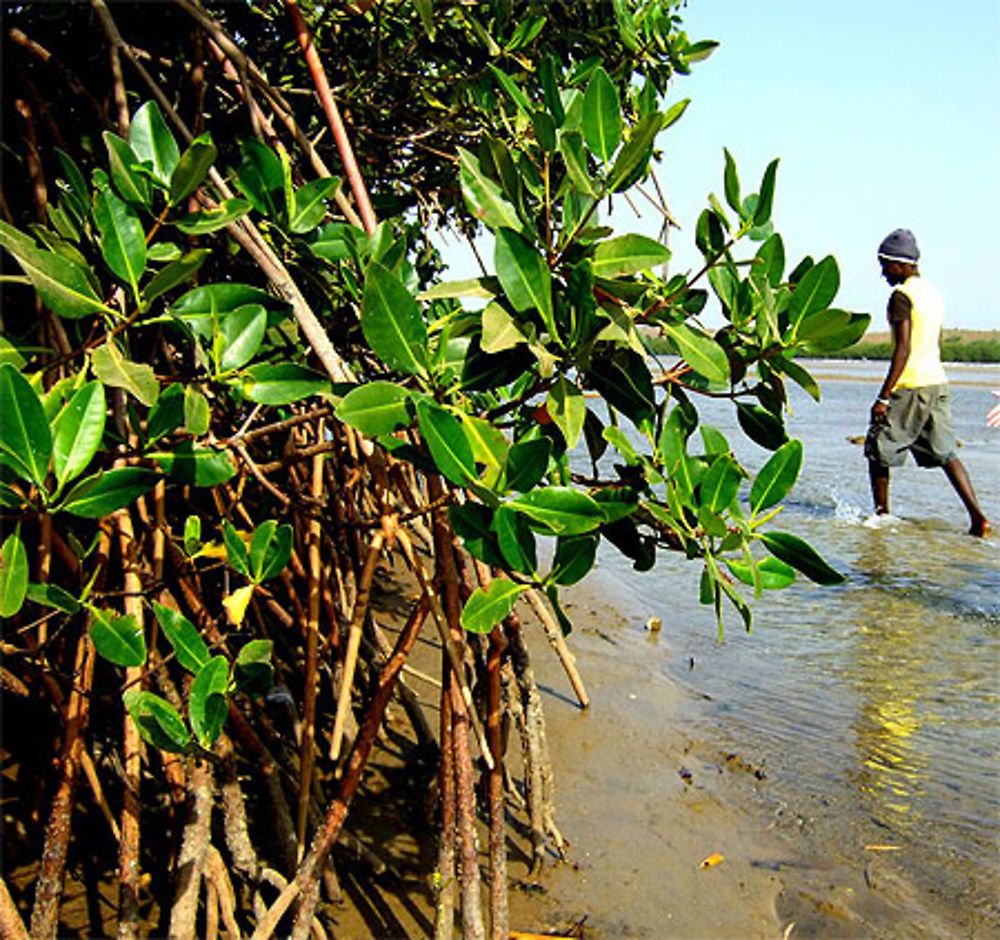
956,346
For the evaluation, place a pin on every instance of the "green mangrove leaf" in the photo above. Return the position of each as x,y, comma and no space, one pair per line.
527,463
132,186
211,220
776,477
485,288
525,277
236,550
167,415
242,333
195,464
568,408
175,273
700,351
564,510
773,573
253,672
473,523
801,556
51,595
263,544
192,168
720,484
112,368
765,200
514,92
123,240
574,559
486,608
391,322
77,432
191,650
376,408
761,426
489,446
153,143
197,411
207,706
500,332
105,492
602,119
483,197
800,376
624,380
118,639
575,158
815,291
449,447
13,574
25,439
157,721
633,159
282,384
62,285
732,183
310,204
628,254
516,540
770,259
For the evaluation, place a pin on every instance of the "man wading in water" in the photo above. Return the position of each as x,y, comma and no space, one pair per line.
912,411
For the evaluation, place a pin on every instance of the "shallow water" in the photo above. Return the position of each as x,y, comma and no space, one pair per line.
873,706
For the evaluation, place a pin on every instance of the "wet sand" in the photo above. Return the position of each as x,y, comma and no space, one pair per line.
642,806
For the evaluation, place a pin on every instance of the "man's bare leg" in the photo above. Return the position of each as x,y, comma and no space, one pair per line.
879,477
959,478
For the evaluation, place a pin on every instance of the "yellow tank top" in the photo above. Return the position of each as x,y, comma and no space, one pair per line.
926,321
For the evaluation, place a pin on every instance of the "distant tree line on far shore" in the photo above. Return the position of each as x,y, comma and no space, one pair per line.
956,346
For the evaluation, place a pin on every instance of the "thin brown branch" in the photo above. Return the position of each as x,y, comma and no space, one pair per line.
354,642
11,925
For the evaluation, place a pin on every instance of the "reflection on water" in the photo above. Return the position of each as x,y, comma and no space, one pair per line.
874,704
889,673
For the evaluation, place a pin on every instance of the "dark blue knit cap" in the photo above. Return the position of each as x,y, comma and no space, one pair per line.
900,245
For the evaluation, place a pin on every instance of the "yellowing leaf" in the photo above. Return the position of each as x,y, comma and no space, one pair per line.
236,604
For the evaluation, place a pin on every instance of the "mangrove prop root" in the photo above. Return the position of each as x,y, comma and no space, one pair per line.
128,847
446,575
218,877
308,743
558,643
444,915
310,870
241,850
499,914
48,887
191,861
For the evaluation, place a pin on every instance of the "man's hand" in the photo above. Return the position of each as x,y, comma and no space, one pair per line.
880,411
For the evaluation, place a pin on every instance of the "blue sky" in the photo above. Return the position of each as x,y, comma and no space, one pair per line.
884,114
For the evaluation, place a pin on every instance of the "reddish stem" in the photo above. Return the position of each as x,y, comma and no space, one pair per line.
333,116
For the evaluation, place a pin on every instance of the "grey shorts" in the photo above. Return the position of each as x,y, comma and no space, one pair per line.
919,420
